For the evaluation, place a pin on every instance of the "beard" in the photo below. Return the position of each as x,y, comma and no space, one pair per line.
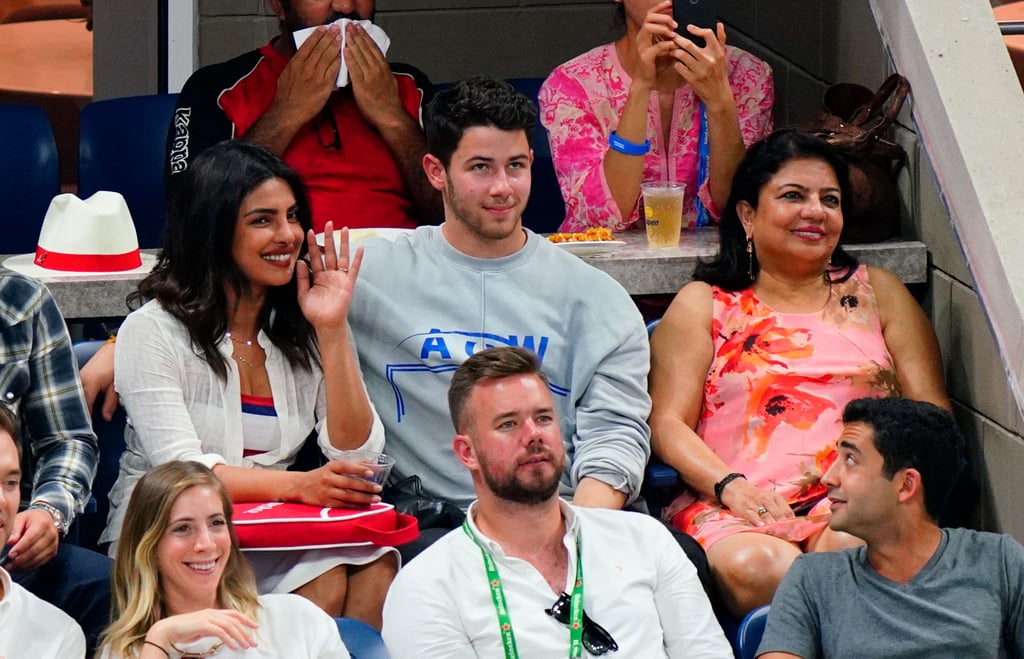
471,218
531,488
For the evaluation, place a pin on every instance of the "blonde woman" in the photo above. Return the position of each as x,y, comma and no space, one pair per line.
181,587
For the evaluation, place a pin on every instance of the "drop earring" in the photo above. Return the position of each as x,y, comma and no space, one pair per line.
750,258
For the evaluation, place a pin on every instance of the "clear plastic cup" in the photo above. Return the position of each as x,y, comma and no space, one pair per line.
378,463
663,212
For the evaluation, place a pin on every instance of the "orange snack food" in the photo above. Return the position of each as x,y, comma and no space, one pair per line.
590,235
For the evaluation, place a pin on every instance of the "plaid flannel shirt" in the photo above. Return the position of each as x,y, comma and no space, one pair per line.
39,381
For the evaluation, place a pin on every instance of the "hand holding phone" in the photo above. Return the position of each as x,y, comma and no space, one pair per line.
702,13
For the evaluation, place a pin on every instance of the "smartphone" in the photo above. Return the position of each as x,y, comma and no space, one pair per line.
3,555
702,13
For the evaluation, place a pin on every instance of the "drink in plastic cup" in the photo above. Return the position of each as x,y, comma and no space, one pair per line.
663,212
379,463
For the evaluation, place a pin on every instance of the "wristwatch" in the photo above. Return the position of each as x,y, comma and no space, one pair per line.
58,517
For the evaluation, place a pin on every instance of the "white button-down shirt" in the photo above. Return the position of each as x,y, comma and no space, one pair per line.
32,628
638,584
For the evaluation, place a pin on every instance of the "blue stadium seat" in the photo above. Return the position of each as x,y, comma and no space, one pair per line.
546,209
121,148
750,632
89,525
661,482
29,174
362,640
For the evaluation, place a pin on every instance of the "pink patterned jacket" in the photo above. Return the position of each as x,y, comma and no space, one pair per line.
580,105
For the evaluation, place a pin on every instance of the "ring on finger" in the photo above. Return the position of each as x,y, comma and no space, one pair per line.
762,511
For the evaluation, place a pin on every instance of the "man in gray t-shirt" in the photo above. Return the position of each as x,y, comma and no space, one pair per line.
913,590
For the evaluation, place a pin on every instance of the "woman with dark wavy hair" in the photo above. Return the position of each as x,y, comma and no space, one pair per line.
181,585
753,362
240,353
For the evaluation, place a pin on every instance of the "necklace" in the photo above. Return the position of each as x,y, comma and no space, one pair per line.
244,342
237,357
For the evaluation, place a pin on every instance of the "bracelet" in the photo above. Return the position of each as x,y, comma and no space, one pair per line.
625,146
720,485
158,648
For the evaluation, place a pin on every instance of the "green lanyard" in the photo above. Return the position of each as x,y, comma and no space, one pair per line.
508,638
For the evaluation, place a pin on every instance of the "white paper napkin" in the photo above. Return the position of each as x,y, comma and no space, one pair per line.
376,33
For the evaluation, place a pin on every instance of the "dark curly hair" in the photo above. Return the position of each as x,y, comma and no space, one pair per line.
479,101
912,434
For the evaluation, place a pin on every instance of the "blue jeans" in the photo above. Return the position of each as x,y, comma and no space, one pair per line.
77,581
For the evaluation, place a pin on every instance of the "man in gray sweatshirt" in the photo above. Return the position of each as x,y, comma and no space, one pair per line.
430,299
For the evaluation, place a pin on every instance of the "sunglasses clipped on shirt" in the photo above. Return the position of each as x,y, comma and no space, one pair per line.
596,638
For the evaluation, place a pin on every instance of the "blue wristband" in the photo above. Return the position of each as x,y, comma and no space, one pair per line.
627,147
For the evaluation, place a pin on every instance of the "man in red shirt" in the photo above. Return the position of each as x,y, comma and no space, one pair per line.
359,149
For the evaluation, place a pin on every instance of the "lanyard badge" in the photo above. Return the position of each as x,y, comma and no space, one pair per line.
508,639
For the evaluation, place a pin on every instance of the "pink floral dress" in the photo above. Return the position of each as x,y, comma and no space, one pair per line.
580,105
774,398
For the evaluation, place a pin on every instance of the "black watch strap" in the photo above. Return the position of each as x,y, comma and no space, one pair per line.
720,485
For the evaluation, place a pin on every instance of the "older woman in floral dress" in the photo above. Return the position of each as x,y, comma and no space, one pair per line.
753,364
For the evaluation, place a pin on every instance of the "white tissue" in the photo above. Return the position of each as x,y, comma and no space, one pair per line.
376,33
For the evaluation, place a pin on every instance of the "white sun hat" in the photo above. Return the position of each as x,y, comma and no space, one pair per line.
84,238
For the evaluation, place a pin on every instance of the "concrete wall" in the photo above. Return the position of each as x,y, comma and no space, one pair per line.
124,48
809,43
974,140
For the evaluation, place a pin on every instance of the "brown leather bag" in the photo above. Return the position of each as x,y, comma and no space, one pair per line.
854,120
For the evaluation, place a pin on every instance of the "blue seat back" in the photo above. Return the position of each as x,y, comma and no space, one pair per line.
661,482
362,640
546,209
750,632
110,434
29,175
121,148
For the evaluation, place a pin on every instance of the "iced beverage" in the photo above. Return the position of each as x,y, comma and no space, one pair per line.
663,213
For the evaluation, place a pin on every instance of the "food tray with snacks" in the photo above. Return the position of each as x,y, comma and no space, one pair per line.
592,242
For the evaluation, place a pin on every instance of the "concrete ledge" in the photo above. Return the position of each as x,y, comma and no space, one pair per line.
645,271
640,270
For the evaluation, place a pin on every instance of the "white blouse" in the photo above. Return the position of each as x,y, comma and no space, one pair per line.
179,409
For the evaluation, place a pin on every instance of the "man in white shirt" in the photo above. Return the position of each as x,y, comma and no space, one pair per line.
527,569
29,627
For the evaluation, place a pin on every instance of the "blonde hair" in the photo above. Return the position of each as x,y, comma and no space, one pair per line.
137,601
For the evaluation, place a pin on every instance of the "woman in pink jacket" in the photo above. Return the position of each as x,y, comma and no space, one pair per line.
653,105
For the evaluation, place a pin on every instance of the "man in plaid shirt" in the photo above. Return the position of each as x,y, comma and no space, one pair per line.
39,381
